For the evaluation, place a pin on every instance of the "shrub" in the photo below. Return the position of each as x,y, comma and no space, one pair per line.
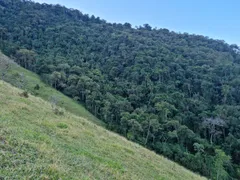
37,87
24,94
62,126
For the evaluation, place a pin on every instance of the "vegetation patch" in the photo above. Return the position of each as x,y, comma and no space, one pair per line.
162,89
62,125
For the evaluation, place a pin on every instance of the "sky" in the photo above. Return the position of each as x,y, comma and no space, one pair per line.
218,19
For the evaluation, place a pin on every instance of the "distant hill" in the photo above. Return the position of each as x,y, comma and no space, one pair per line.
176,94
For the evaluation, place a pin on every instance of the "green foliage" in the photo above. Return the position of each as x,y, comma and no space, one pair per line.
14,77
221,160
37,144
177,94
62,125
37,87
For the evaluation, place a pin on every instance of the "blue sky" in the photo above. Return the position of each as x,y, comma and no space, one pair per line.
218,19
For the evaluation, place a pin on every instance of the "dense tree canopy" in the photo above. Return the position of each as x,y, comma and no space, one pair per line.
177,94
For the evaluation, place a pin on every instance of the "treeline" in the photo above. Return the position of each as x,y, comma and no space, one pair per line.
177,94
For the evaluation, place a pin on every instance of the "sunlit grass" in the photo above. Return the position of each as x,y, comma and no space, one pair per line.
35,143
45,91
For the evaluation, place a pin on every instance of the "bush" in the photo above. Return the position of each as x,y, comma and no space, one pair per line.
24,94
37,87
62,126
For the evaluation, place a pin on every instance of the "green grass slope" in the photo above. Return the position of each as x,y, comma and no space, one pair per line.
35,144
46,92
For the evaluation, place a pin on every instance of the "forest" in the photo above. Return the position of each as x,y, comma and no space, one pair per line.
175,93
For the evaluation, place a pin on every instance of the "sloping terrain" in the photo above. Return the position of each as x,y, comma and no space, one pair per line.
27,80
35,143
175,93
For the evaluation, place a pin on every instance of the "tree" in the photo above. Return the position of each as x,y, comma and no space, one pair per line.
221,159
135,130
225,91
152,127
5,67
213,125
55,79
3,34
199,148
26,58
164,109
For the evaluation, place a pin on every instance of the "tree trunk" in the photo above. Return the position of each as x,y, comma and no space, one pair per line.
211,138
146,140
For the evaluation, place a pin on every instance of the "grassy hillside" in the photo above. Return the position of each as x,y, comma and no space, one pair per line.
13,76
35,143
